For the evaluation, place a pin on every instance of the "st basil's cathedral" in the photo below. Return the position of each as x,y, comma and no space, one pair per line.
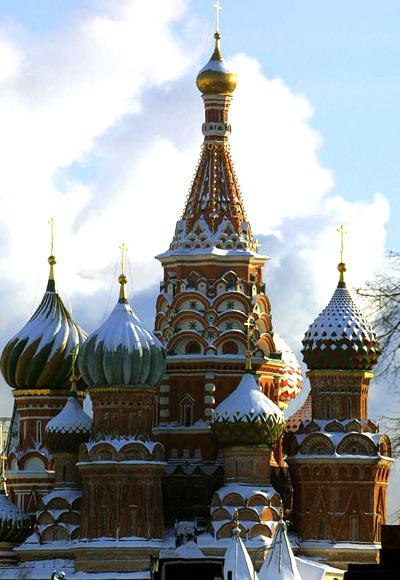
189,467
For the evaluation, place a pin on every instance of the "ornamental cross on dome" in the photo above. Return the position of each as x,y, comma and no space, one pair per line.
51,223
218,8
342,231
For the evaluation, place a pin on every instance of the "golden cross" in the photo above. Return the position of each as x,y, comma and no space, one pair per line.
124,248
249,324
52,222
74,355
217,7
342,230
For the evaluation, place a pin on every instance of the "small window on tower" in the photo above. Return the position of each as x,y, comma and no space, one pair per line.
193,348
186,410
39,432
229,347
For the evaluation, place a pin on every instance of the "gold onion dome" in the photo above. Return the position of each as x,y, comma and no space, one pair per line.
39,356
247,416
215,78
122,352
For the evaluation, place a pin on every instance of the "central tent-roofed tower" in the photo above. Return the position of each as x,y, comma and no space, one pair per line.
213,286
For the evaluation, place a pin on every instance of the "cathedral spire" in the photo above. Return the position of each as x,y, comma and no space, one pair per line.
214,218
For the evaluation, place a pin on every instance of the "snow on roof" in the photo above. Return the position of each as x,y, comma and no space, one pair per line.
120,442
237,560
341,317
312,570
280,563
69,495
71,419
246,402
246,491
9,512
123,327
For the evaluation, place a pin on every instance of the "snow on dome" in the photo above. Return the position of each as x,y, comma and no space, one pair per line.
247,415
122,352
340,337
71,419
280,563
215,77
39,355
292,378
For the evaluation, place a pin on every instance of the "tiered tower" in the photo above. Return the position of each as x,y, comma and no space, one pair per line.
340,462
121,467
37,364
213,281
58,515
247,425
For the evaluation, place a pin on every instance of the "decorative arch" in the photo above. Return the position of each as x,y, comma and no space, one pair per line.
356,444
259,529
317,444
54,534
180,340
33,462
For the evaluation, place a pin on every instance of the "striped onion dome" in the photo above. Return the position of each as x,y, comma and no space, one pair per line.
247,416
15,525
39,355
340,337
122,353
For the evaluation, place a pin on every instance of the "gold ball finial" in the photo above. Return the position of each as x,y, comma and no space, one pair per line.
52,260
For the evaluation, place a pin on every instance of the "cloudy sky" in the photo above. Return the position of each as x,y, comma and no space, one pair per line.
101,127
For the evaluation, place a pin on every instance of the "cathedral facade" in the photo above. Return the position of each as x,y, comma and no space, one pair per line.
186,457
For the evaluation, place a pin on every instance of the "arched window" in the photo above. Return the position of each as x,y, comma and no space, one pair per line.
353,527
230,347
328,408
349,408
186,406
322,529
193,348
39,432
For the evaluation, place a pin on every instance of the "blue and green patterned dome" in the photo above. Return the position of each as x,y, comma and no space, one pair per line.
122,353
39,356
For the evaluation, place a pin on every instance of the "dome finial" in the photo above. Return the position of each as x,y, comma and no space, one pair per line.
122,279
51,285
217,7
215,78
342,266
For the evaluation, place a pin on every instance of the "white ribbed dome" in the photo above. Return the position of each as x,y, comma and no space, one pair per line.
71,419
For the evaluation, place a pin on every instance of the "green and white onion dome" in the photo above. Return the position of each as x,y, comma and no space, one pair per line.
122,352
39,355
247,416
15,525
340,337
